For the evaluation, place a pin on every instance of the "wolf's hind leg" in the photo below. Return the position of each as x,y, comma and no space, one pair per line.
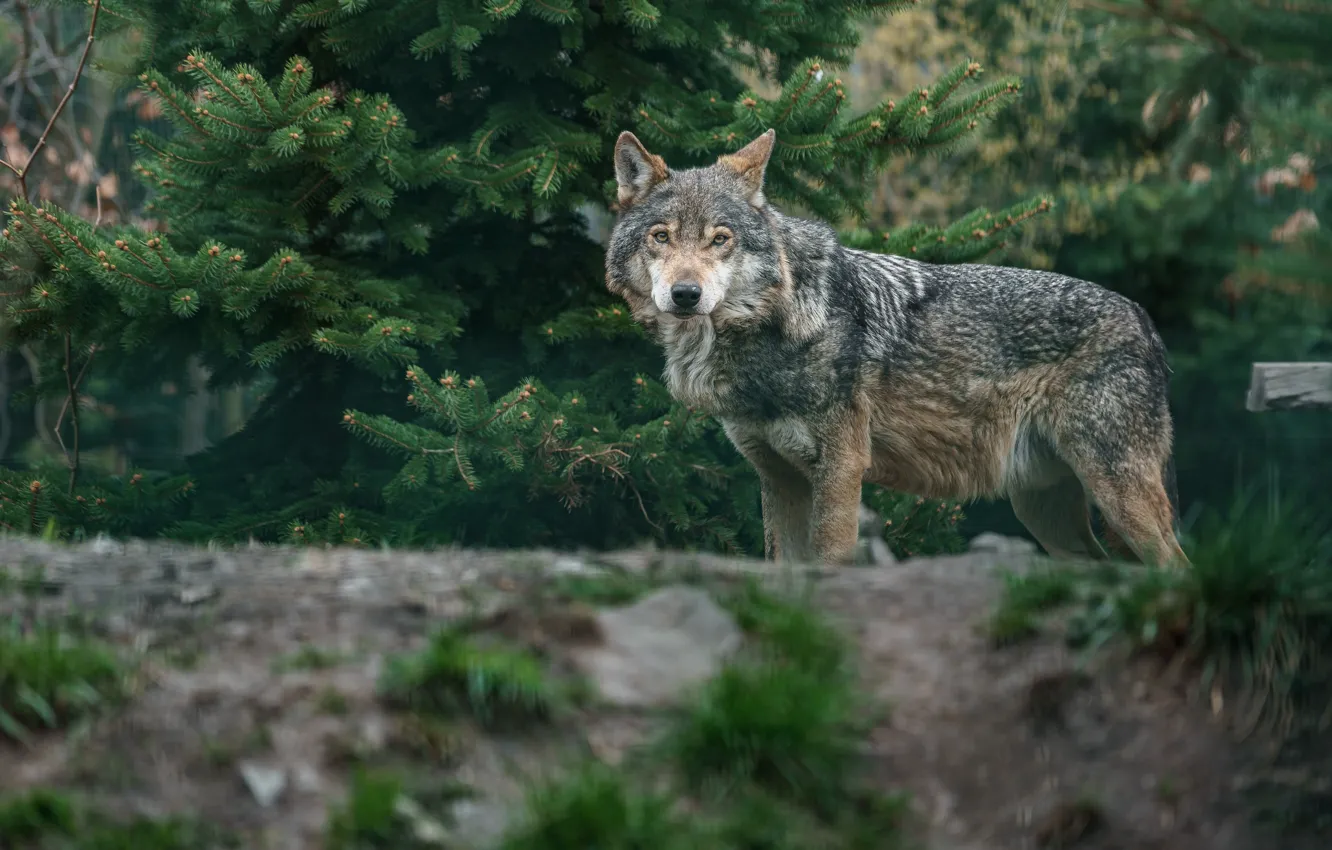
1057,517
1111,424
1135,505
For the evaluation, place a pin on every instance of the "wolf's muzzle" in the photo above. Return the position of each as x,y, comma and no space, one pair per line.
686,294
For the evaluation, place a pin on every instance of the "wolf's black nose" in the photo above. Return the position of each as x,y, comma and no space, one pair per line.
686,294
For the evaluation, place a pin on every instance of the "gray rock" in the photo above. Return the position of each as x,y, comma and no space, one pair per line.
572,566
658,648
198,593
1001,545
874,552
265,782
870,521
871,549
103,545
481,822
425,829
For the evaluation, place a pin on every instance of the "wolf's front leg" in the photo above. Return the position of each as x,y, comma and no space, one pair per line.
837,513
787,496
787,510
837,483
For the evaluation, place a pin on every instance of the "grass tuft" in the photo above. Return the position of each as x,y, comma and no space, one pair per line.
453,675
37,814
601,588
790,630
597,807
308,657
1025,598
1254,610
783,728
379,814
369,818
50,678
47,820
1257,604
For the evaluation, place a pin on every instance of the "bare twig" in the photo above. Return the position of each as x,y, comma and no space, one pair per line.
71,406
60,107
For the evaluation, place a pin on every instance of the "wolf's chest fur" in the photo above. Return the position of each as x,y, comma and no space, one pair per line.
753,373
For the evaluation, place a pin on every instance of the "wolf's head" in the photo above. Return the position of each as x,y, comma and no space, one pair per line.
694,242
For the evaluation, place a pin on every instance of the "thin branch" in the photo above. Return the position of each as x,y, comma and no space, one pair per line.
71,406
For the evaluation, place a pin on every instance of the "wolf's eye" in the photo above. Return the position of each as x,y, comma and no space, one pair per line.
662,237
720,239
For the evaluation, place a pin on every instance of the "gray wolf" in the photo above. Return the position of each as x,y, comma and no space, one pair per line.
829,366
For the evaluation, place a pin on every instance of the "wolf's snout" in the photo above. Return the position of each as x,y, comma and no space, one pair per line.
686,294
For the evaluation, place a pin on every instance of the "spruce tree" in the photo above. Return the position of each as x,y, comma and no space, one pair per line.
387,216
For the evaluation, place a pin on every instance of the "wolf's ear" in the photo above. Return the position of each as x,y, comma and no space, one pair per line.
750,162
636,170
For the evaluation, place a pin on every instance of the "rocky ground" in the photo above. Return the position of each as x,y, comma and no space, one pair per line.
257,690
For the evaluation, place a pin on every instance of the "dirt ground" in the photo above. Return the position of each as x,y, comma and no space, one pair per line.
1000,748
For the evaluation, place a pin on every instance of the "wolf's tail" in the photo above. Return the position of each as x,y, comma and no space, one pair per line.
1162,361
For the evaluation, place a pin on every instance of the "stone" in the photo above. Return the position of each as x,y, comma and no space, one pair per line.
103,545
425,829
1000,545
572,566
871,549
266,783
870,523
197,594
658,648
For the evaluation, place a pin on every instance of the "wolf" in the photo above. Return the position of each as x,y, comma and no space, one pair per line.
828,367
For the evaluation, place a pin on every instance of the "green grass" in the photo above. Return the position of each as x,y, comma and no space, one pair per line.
1026,597
309,657
333,702
789,629
49,678
598,807
46,820
782,717
1254,611
369,819
380,815
785,729
1257,603
607,587
454,675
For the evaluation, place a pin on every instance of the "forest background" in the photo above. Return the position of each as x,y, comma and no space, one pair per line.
330,271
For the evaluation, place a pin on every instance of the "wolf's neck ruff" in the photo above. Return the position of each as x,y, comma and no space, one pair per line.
690,371
806,307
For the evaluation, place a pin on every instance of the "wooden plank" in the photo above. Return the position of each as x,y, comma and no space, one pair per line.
1290,386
